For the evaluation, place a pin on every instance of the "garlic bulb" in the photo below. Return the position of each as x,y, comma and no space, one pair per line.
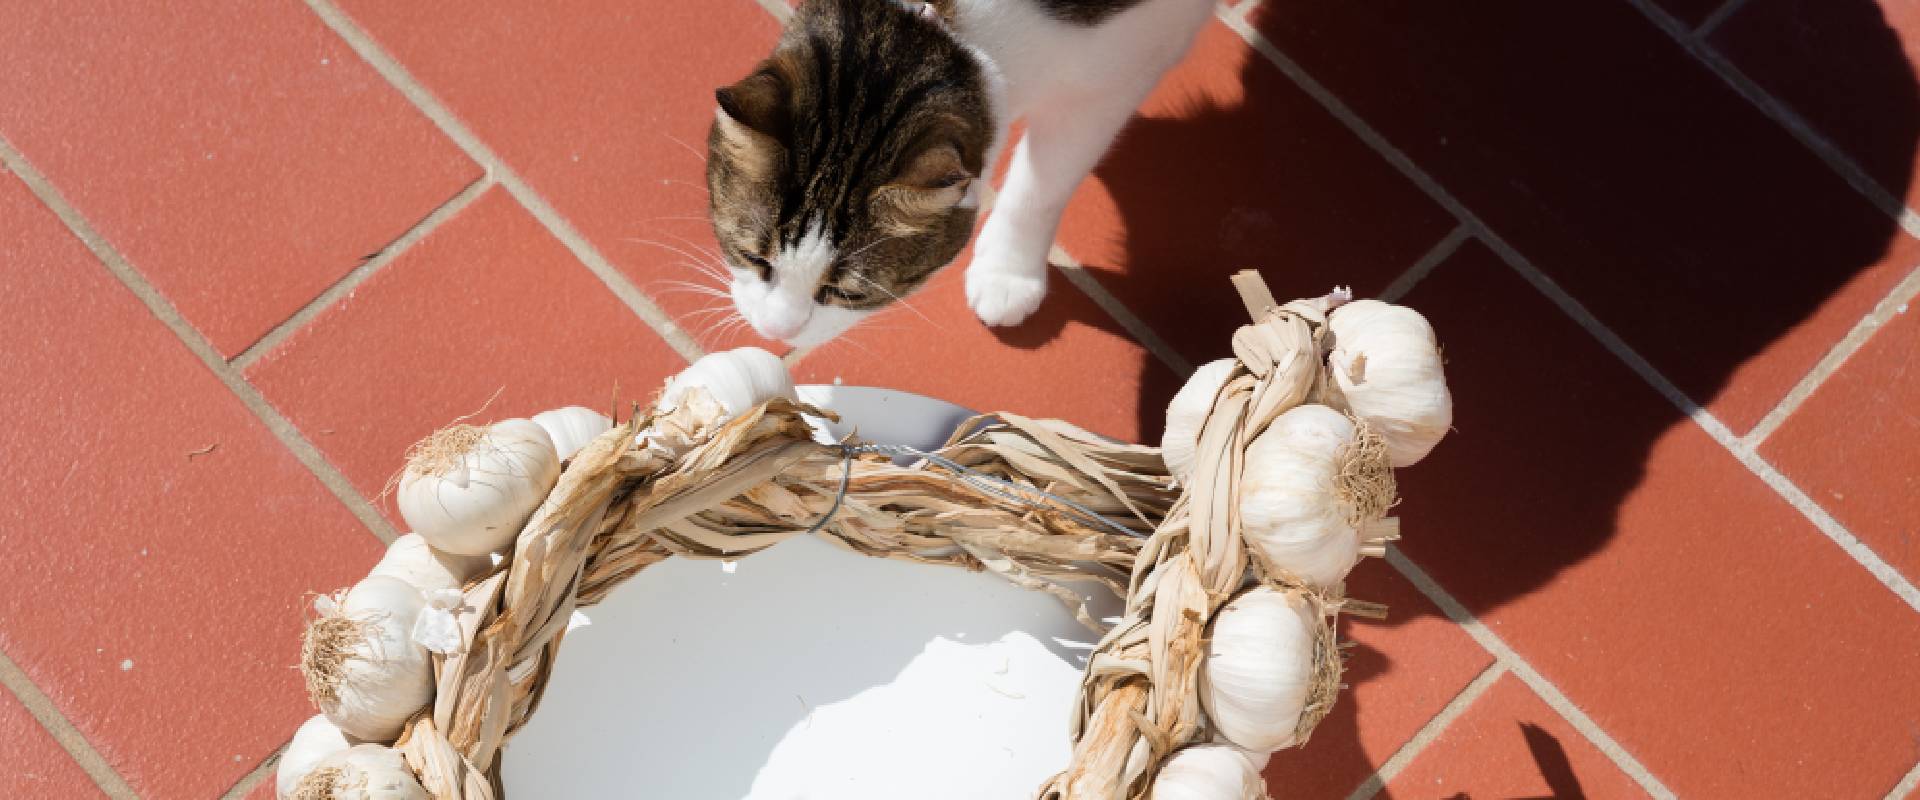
468,490
1258,668
1209,772
1289,509
312,743
571,428
1187,412
364,772
360,661
411,559
738,379
1387,364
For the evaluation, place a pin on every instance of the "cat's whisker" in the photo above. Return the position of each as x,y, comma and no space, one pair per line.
684,146
687,287
900,301
694,259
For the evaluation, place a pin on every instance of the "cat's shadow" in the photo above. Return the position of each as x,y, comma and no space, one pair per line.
1254,172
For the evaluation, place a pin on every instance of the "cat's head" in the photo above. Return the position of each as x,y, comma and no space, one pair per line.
844,171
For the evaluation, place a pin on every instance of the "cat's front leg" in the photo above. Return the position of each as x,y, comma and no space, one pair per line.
1008,276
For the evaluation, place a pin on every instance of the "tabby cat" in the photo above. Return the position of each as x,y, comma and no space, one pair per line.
848,167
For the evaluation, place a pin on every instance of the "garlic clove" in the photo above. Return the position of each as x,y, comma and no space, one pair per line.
1387,366
362,667
737,379
468,490
1290,509
571,428
1258,668
1187,412
315,741
363,772
411,559
1209,772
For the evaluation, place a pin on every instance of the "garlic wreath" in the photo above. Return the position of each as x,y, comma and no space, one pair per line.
361,663
571,428
362,772
316,740
1187,412
737,379
411,559
1258,668
468,489
1386,363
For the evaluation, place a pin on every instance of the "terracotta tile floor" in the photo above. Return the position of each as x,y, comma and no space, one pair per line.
249,251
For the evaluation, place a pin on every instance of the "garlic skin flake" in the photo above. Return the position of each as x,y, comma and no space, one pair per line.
363,772
1289,508
1187,411
1209,772
738,380
1387,365
411,559
314,742
468,490
1258,668
361,663
571,428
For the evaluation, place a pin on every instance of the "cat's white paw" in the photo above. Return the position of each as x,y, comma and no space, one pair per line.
1003,298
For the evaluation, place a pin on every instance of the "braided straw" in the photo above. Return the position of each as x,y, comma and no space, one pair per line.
689,483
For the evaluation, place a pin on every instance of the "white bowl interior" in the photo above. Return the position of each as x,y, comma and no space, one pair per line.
811,672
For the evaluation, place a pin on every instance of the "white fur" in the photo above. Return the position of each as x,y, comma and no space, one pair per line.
785,309
1076,87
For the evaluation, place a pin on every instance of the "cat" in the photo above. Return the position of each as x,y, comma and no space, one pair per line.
848,167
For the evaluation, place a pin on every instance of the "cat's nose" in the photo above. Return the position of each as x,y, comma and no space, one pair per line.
781,320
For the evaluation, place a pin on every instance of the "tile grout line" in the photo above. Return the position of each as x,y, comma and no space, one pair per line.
264,770
780,11
289,435
1442,250
1905,788
1428,733
1714,428
1717,18
1888,576
1519,666
1089,285
1783,115
1893,304
450,124
62,730
360,273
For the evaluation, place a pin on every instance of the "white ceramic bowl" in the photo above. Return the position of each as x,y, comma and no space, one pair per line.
811,672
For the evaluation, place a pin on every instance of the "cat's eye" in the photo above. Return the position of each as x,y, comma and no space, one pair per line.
837,293
760,264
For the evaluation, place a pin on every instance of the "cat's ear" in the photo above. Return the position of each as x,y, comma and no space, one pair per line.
757,104
929,184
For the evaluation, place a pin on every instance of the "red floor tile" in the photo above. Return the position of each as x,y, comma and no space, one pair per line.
242,166
32,764
155,597
1854,447
1717,246
601,105
1401,673
1638,566
1070,361
1845,65
1510,744
1229,166
490,302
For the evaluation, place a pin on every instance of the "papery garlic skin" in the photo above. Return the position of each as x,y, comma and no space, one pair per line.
1187,413
411,559
737,379
370,772
315,741
1258,668
1289,509
571,428
1387,365
478,503
386,676
1209,772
